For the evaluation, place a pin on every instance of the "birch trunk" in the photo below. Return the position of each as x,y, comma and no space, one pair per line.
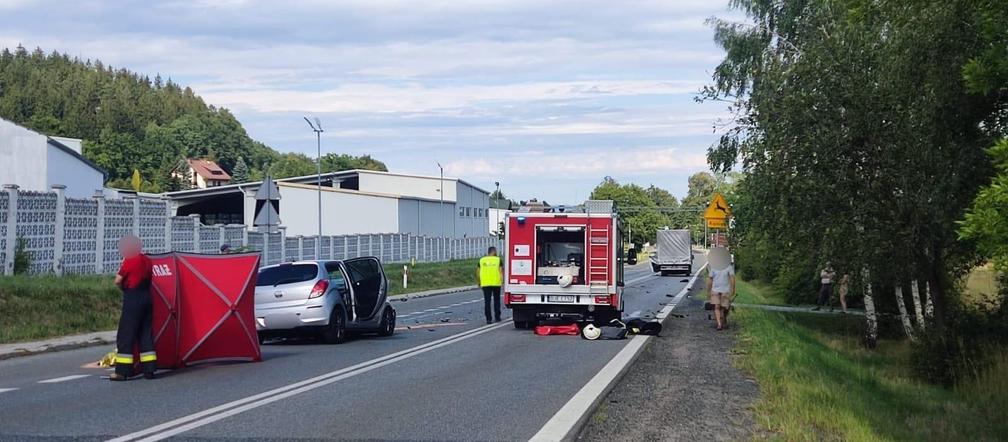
871,330
907,326
928,307
915,294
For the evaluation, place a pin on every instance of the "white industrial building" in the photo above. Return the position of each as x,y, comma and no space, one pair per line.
354,201
36,162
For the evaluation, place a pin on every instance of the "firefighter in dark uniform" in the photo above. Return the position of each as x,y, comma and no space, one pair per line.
135,321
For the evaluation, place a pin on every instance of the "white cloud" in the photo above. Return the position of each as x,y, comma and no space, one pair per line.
416,97
577,163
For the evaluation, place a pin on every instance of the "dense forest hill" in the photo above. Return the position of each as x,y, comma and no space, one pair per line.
130,122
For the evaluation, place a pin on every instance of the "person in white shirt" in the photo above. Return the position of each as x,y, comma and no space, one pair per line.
721,287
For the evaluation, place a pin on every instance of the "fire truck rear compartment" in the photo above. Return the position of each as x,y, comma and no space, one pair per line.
560,250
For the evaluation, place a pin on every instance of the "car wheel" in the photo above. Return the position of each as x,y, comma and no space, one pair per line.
387,322
335,332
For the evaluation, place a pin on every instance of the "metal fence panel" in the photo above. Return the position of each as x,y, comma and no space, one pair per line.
36,226
118,223
80,236
209,239
183,237
308,248
152,218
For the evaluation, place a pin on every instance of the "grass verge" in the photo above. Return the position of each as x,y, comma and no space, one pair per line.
819,383
40,307
430,276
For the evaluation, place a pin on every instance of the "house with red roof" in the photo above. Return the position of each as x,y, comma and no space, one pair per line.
203,173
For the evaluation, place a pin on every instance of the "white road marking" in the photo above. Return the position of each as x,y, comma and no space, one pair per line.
4,390
64,378
214,414
635,314
569,419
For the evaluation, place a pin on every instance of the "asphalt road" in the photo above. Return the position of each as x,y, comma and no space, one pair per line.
444,375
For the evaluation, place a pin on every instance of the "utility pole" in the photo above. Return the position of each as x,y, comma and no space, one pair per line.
317,128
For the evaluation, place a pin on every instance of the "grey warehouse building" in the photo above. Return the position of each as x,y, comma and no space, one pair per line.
353,201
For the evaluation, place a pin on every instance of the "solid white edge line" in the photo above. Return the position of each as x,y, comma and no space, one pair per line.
310,382
567,422
64,378
231,412
4,390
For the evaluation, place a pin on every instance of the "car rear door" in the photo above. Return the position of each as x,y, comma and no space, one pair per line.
285,285
369,286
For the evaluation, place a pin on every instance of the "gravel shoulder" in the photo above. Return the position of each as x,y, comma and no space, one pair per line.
682,387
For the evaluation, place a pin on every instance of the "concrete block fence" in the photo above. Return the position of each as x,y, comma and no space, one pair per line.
80,236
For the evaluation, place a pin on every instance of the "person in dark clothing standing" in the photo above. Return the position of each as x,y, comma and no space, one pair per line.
826,277
490,277
135,321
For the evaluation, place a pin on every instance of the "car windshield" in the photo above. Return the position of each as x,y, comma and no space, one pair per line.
286,274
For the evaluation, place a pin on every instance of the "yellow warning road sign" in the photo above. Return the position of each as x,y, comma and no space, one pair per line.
717,212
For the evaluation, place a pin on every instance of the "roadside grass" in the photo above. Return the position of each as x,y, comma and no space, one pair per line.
430,276
40,307
748,292
819,383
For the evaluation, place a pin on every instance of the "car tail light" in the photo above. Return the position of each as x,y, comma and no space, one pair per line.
319,289
603,300
516,298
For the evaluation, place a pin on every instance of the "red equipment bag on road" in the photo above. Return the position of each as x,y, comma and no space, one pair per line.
569,329
204,308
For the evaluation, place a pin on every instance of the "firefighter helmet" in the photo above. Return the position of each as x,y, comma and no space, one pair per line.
591,332
565,280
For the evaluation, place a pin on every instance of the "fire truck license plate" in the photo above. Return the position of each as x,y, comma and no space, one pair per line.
560,298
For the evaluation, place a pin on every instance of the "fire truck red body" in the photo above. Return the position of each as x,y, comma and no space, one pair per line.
564,263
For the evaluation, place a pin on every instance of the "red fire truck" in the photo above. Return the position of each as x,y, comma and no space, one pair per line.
564,263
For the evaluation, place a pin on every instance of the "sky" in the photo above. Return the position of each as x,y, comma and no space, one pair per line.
544,97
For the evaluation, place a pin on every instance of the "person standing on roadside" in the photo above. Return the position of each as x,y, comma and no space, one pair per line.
720,284
490,277
826,277
844,287
134,279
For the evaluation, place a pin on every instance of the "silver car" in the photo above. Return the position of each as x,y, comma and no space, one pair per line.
325,298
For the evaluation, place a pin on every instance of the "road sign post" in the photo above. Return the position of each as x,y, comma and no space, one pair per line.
717,215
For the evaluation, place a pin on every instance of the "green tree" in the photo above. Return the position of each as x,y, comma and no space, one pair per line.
240,173
856,123
640,213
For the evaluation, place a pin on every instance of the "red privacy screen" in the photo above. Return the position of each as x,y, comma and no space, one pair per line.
204,308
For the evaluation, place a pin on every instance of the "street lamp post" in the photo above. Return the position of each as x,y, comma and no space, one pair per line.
497,210
317,128
441,192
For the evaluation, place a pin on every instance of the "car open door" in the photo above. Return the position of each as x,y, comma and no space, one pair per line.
369,286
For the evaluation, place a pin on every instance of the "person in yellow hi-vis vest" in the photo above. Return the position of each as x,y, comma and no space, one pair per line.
490,277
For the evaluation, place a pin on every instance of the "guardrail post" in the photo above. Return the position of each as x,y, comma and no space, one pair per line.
300,239
11,245
169,247
99,197
221,236
136,217
58,235
283,243
265,248
358,245
196,233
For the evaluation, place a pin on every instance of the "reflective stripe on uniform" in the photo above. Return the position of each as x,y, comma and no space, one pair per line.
123,359
148,356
